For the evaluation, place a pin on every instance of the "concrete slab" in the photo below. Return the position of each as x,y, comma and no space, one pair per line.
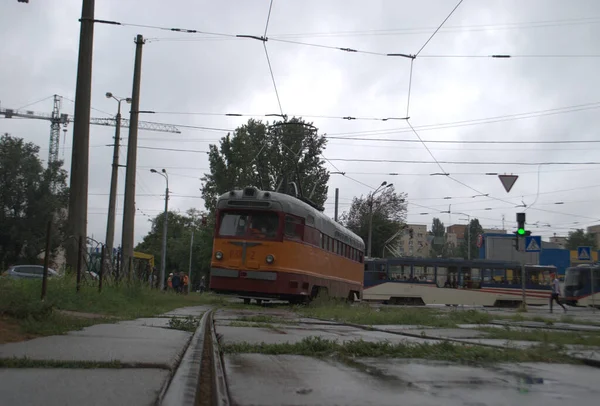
232,335
75,387
147,322
400,327
105,343
288,379
554,326
195,311
452,333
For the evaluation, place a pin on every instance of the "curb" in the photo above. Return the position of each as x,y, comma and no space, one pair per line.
182,388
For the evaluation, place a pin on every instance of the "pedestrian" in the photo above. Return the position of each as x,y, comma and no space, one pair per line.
556,294
185,281
176,281
169,282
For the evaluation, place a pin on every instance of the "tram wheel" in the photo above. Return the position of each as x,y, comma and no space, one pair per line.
246,301
259,302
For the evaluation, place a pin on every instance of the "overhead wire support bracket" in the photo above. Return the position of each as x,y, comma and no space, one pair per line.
100,21
256,37
409,56
501,56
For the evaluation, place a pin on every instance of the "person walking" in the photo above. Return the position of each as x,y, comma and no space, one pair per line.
176,281
556,294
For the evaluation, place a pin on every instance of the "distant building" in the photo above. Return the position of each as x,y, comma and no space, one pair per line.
595,231
415,243
560,242
457,229
493,231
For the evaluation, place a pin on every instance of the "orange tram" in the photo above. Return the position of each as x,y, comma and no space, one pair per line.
274,246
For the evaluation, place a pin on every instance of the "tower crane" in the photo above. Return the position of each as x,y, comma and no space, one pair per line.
57,119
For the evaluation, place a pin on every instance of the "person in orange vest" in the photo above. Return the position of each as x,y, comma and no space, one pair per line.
170,281
185,280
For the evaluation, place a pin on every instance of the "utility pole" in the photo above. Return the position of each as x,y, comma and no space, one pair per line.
190,270
337,201
129,204
78,195
114,178
163,255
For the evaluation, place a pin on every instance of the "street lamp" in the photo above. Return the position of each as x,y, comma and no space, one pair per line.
163,256
383,185
114,178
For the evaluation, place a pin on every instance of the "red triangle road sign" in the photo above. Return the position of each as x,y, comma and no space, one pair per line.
508,181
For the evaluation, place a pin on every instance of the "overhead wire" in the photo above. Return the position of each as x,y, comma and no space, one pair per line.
438,28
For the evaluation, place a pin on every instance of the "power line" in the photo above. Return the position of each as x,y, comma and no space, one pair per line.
438,28
488,120
460,162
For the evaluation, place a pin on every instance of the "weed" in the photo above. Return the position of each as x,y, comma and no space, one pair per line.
444,351
30,363
190,323
365,314
246,324
20,299
259,318
547,337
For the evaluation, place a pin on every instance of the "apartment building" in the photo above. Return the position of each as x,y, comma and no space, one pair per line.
414,242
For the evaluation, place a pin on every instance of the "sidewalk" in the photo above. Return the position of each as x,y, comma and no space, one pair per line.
127,363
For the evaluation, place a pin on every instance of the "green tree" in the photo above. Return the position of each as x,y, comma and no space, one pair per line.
179,235
471,233
579,238
265,156
29,201
389,215
438,232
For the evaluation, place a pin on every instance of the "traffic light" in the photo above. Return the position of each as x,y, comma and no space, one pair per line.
521,224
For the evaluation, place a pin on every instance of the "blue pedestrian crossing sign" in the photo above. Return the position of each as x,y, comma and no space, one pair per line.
533,243
584,253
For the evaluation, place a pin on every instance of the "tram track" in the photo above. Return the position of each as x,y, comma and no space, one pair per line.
200,377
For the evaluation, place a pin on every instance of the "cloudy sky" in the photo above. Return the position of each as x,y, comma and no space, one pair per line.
457,93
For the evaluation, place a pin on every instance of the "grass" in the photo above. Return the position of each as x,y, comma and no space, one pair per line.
189,323
547,337
20,302
364,314
444,351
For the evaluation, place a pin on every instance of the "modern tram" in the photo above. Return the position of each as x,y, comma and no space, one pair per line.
270,245
582,285
425,281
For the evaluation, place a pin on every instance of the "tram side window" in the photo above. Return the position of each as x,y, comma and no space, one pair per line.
399,272
442,277
294,227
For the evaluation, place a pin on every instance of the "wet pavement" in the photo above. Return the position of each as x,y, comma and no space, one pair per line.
260,379
148,352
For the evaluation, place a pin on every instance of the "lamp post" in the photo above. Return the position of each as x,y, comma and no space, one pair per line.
383,185
163,256
114,178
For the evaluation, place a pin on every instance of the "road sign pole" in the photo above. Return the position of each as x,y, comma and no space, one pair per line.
523,286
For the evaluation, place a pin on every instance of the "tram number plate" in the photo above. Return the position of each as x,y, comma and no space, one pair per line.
237,254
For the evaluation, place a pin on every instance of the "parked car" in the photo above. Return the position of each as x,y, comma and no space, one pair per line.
28,272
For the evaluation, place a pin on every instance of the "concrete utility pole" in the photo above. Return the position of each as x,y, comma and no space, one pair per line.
129,204
337,202
78,195
384,185
163,255
190,270
114,178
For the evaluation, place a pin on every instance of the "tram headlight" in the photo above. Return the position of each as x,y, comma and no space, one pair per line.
219,255
270,259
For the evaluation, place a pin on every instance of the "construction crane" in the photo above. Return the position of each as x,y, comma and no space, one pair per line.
57,119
